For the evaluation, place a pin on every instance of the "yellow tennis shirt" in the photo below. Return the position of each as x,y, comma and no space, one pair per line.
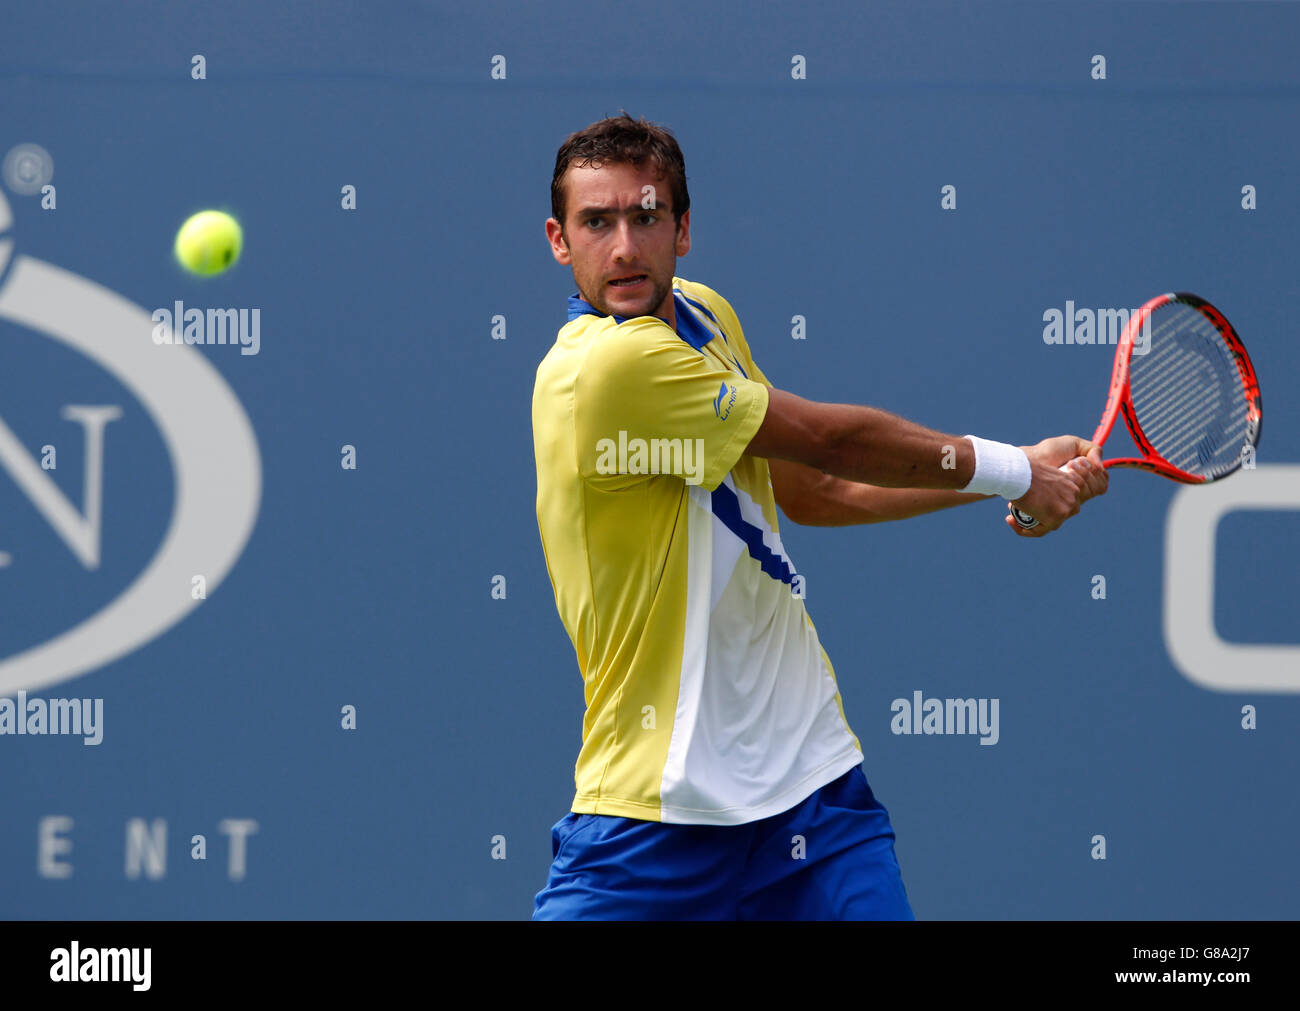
709,697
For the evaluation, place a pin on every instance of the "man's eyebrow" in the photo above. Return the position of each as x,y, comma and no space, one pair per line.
591,212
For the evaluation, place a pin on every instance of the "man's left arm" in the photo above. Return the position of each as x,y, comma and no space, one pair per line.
813,499
816,499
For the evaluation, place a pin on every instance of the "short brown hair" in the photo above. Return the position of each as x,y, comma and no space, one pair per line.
622,140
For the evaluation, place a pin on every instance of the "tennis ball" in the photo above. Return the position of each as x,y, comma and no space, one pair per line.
209,242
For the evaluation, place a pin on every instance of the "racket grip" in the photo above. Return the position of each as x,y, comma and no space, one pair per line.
1023,518
1026,521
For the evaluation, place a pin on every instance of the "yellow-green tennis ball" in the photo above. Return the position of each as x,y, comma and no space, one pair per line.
209,242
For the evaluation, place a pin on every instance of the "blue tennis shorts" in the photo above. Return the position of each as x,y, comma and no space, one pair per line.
831,857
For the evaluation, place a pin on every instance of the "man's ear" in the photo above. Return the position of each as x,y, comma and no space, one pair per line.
684,234
559,244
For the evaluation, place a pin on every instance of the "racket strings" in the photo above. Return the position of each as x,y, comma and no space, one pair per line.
1190,389
1193,427
1188,395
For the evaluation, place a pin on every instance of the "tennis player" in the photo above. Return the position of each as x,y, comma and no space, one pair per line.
718,777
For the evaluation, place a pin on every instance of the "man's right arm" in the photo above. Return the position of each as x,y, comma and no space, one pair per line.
872,446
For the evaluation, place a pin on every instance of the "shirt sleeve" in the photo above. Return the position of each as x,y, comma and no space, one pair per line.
736,336
757,374
647,403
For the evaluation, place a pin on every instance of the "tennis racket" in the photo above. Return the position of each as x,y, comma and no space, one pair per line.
1191,402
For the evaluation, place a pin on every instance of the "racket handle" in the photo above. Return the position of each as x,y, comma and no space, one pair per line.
1026,521
1023,518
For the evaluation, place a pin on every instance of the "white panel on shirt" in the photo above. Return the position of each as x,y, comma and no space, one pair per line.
757,727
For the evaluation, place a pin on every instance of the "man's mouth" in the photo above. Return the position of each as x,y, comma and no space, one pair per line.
628,282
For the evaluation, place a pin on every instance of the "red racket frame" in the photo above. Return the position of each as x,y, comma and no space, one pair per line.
1120,398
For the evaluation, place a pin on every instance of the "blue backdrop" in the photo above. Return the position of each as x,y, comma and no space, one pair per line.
817,196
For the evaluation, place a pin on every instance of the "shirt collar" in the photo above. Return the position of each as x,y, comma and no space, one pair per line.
689,328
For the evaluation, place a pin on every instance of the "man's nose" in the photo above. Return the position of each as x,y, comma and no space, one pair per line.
624,240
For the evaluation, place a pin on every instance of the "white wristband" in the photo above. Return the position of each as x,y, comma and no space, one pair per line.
1000,469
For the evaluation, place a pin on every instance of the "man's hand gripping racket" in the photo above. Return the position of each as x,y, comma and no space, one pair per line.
1058,489
1191,402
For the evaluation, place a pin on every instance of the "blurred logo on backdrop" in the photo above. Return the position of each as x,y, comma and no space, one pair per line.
215,466
1191,562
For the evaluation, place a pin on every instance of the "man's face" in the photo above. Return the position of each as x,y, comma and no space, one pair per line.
609,235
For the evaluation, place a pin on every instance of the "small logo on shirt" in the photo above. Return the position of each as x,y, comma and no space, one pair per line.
724,401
